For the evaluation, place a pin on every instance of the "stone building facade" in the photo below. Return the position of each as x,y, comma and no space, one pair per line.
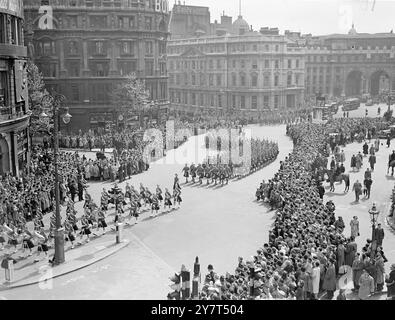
14,108
92,45
246,73
350,64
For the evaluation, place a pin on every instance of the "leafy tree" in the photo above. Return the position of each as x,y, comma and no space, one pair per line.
131,96
36,89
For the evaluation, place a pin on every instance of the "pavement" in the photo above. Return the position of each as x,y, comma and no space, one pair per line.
29,272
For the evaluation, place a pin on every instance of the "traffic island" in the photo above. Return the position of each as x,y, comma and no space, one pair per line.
80,257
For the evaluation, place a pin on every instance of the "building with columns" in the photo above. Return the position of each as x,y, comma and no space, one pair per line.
14,109
91,45
350,64
243,72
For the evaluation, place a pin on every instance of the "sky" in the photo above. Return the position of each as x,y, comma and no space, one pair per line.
318,17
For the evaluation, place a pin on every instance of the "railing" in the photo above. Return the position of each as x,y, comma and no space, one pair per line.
5,113
9,113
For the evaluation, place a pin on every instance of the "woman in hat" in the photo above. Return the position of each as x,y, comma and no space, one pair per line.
354,224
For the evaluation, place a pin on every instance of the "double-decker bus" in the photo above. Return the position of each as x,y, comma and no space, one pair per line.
351,104
332,106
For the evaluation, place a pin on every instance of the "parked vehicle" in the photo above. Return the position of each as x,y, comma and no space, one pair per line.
351,104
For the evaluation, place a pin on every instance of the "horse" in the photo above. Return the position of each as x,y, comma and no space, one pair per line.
339,178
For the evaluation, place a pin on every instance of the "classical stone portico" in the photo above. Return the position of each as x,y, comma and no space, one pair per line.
370,80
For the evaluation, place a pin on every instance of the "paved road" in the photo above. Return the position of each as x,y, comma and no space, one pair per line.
218,225
360,112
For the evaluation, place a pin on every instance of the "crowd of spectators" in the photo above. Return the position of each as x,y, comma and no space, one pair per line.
307,250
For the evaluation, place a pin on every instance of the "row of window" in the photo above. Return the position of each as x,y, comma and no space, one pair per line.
100,68
237,101
157,5
240,47
242,64
221,48
241,80
11,29
98,47
349,58
128,22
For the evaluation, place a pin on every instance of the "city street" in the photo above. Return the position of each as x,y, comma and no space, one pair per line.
211,223
372,111
216,224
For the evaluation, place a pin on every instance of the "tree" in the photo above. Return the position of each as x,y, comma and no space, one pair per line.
36,89
131,96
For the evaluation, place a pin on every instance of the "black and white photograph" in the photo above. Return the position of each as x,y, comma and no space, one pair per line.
197,150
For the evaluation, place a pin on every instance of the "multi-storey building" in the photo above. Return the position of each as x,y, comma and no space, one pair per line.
195,21
244,71
91,45
350,64
14,113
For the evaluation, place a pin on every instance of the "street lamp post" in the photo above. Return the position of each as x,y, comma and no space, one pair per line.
374,214
56,101
389,103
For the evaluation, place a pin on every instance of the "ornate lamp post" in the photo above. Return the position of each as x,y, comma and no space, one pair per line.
374,214
56,102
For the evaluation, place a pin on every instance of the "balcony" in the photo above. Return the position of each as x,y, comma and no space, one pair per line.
11,113
10,50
